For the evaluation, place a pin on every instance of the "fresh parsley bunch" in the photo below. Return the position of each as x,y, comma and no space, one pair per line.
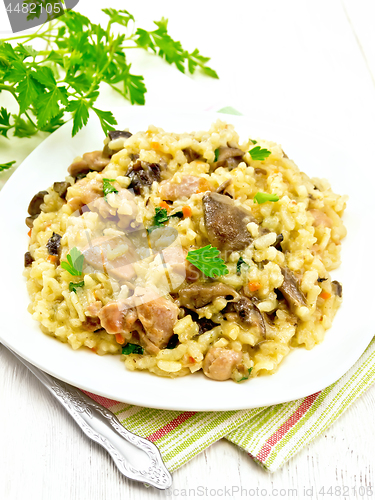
61,81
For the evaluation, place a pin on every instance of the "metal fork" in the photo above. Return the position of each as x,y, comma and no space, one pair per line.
135,457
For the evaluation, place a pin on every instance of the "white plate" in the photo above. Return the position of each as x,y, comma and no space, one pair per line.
300,374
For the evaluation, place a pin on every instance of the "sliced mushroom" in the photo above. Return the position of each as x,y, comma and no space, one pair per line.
36,202
219,363
226,222
89,162
291,290
142,174
61,188
53,244
223,187
228,158
29,259
198,295
190,154
337,288
260,171
30,220
112,136
249,314
279,240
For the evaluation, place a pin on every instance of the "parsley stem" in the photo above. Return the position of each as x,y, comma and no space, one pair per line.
30,119
9,88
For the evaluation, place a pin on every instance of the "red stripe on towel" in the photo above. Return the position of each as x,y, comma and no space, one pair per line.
288,424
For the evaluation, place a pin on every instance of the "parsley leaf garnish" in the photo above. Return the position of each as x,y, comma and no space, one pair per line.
240,263
259,154
132,349
246,376
73,286
217,152
264,197
161,216
60,79
207,260
108,188
75,260
5,166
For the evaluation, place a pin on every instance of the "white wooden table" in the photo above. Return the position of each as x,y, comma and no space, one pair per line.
313,62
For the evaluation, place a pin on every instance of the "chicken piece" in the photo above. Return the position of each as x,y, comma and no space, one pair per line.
176,258
85,191
320,218
188,186
93,309
219,363
158,317
100,251
226,222
199,295
90,161
291,290
118,317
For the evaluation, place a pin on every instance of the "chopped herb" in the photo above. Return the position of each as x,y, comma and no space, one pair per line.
75,260
173,341
240,263
5,166
161,216
178,214
217,152
73,286
259,154
246,376
207,260
264,197
108,188
132,349
254,141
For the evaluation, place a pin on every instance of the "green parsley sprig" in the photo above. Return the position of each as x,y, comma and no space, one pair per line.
240,263
108,188
62,81
207,260
259,154
75,260
264,197
74,286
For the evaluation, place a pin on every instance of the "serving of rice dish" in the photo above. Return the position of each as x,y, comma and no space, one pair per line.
183,252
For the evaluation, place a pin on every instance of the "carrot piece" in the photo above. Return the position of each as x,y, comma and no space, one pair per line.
119,338
165,205
325,295
254,286
29,233
155,145
191,359
52,258
187,211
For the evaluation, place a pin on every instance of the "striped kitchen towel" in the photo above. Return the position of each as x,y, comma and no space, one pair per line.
270,435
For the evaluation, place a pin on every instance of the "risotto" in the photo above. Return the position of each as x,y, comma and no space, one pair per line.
186,252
